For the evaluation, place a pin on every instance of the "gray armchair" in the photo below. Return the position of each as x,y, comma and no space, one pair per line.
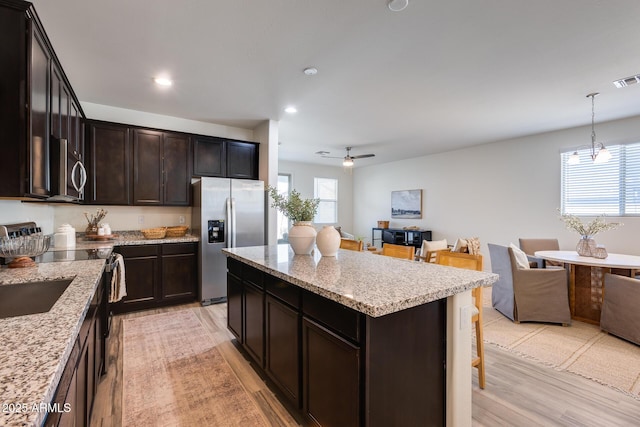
528,295
620,315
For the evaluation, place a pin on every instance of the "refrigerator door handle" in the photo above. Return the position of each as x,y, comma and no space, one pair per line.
233,223
227,229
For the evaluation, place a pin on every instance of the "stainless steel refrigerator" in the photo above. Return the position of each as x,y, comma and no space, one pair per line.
227,213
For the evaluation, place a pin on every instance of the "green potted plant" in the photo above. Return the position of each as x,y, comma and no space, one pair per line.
302,235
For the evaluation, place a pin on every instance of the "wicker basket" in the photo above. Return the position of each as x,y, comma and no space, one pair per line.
177,231
154,233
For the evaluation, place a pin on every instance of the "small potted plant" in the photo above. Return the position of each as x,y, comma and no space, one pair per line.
301,212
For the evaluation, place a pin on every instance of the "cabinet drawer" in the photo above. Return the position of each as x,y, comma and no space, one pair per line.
336,316
138,250
253,275
178,248
283,290
235,267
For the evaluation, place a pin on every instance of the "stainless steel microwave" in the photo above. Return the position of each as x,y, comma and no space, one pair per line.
68,174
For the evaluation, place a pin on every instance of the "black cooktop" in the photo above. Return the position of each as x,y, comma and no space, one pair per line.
74,255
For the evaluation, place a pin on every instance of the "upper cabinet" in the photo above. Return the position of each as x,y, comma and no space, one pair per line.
220,157
161,168
129,165
37,103
109,164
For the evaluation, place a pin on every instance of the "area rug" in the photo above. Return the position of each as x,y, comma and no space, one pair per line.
174,376
580,348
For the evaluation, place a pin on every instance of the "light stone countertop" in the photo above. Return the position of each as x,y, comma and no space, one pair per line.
371,284
35,348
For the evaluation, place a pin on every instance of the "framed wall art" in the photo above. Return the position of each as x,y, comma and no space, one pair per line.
406,204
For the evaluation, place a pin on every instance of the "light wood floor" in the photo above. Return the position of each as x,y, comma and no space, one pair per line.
518,392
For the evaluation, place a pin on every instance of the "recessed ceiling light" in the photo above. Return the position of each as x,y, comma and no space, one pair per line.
627,81
291,110
162,81
397,5
310,71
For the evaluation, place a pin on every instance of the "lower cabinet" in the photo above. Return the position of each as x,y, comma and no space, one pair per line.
334,365
283,347
76,390
331,377
158,275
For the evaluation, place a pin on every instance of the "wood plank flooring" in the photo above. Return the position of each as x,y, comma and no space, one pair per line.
518,392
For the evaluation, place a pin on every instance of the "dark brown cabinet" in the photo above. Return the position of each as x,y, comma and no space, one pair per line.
209,156
179,272
283,347
39,114
130,165
331,377
220,157
234,306
242,160
76,390
254,322
108,164
158,275
161,168
30,80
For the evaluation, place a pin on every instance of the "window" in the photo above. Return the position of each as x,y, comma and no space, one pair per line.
284,187
326,189
612,188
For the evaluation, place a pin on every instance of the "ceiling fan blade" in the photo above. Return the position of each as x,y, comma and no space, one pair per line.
363,156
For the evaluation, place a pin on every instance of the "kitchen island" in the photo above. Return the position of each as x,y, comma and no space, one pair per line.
357,339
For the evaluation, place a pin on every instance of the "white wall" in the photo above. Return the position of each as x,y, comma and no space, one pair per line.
141,118
13,212
498,192
302,175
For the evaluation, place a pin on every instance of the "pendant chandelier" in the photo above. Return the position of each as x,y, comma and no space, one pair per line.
599,153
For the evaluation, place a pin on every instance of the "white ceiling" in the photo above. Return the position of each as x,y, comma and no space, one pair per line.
441,75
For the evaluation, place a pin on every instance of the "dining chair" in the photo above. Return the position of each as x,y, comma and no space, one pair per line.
398,251
470,262
530,246
525,294
429,249
352,245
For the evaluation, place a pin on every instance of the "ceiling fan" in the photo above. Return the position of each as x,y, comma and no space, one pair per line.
347,160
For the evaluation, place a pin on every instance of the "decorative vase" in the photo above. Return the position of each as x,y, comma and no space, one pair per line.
328,241
600,252
302,237
91,230
586,246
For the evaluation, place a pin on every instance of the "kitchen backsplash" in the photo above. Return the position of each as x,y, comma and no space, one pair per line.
50,216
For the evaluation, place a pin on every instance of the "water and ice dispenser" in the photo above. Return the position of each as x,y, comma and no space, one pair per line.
216,230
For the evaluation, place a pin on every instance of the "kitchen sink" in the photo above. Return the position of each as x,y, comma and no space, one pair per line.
20,299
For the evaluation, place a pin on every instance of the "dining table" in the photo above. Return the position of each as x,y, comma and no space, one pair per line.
586,279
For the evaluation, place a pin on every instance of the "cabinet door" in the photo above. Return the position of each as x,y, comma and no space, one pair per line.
283,348
142,275
234,306
39,121
209,156
254,323
109,164
176,164
147,167
179,272
242,160
331,377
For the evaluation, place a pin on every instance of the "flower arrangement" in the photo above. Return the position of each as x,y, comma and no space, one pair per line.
293,207
94,220
592,228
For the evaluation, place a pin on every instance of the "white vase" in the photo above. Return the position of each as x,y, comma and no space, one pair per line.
328,241
302,237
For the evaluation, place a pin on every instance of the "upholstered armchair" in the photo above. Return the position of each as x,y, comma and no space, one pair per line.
620,315
530,246
528,295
